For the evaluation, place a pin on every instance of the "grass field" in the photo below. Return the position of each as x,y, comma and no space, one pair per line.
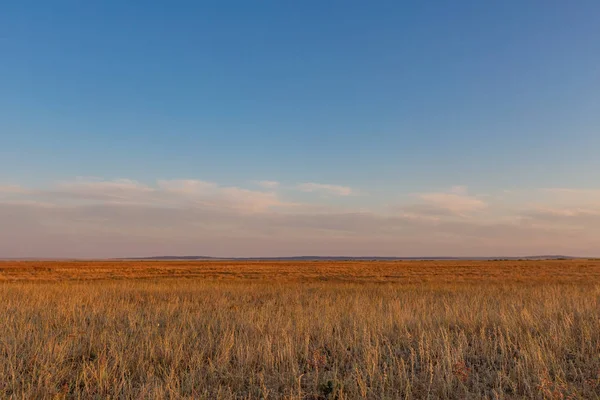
300,330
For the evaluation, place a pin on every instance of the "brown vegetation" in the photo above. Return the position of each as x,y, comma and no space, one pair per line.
551,271
300,330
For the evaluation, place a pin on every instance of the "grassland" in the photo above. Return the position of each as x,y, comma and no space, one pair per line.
300,330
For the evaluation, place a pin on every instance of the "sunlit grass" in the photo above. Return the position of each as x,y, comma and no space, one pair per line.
277,330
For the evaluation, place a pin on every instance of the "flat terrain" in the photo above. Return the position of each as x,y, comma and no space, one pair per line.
300,330
551,271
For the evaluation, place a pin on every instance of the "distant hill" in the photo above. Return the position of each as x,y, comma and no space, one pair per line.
341,258
172,258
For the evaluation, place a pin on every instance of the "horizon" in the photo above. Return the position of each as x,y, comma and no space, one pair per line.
306,257
285,129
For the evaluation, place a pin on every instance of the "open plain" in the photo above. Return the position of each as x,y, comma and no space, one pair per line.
300,330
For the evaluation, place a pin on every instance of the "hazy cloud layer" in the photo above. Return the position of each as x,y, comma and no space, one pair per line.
267,184
456,203
100,218
325,188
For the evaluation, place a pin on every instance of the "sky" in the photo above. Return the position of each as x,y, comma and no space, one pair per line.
280,128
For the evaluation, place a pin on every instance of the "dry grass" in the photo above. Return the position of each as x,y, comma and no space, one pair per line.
306,330
551,271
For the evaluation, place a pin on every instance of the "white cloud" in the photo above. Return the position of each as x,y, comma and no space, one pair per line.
112,230
563,218
187,186
325,188
166,193
457,201
459,189
12,189
563,197
119,189
104,218
267,184
574,193
211,194
566,212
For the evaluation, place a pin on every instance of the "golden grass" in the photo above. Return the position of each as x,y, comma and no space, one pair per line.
302,330
551,271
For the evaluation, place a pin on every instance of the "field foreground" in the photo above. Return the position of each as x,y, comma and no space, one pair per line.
300,330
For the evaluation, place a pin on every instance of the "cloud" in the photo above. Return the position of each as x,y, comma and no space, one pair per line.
187,186
209,194
578,218
12,189
457,202
124,190
166,193
119,218
574,193
423,210
564,197
267,184
115,230
325,188
562,207
565,213
459,189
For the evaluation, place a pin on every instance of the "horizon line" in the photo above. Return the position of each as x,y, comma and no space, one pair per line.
298,257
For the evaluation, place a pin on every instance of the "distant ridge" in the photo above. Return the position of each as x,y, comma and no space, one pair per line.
341,258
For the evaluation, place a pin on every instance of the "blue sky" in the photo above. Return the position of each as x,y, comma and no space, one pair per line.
462,115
